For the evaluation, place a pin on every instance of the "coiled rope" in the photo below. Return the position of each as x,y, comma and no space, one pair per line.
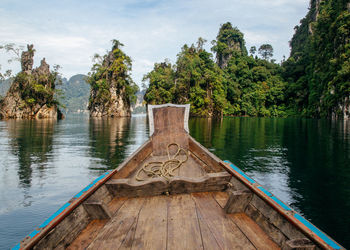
164,169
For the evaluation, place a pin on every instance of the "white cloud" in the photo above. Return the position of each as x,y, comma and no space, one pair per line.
68,33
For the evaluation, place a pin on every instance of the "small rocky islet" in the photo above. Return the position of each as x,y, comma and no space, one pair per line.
32,92
232,81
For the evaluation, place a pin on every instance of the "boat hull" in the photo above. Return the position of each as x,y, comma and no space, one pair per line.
202,202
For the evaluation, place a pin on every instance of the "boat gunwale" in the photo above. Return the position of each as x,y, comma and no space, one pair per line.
280,207
74,202
276,204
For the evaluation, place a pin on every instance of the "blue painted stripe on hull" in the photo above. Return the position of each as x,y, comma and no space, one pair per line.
279,202
32,234
270,195
314,229
305,222
52,217
240,172
265,191
101,177
17,247
47,221
91,185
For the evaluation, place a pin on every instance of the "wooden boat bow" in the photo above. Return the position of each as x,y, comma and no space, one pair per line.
204,203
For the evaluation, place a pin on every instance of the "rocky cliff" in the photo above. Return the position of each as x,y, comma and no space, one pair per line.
31,95
229,43
318,69
112,89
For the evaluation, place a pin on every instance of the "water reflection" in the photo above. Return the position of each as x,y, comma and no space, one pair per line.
319,152
108,140
254,144
31,142
43,163
305,162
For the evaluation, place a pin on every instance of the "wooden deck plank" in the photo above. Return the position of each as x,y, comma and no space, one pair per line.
183,226
225,232
87,235
115,204
184,221
205,155
221,198
151,231
208,239
191,168
253,232
129,237
114,232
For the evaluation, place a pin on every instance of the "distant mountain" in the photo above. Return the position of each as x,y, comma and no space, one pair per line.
139,107
75,92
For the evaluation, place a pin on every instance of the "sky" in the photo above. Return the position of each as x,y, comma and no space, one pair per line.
69,32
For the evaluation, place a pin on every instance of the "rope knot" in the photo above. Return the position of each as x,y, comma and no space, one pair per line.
164,169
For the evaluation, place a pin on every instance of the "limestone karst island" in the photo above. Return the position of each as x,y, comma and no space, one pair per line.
31,95
175,124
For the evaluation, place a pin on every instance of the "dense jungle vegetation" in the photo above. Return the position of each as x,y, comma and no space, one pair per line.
111,75
313,81
318,69
238,84
231,80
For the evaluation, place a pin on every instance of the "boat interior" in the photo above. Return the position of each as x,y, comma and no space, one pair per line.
172,193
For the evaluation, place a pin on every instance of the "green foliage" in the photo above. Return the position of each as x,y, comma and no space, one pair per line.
318,70
252,50
254,87
314,81
111,70
245,86
161,84
266,51
199,81
195,79
37,89
229,42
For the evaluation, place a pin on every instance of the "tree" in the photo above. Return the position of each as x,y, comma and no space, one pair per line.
116,44
252,50
194,79
242,85
201,41
266,51
199,81
15,51
161,84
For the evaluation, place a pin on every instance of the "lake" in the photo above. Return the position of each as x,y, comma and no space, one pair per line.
305,162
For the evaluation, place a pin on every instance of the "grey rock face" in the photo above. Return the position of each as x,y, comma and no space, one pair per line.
117,105
13,106
27,58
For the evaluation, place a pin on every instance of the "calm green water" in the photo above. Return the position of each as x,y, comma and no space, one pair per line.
43,164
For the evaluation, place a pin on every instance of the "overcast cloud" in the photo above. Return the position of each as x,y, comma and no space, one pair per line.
68,33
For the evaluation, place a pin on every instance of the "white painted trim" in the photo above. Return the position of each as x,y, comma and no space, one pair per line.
150,115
